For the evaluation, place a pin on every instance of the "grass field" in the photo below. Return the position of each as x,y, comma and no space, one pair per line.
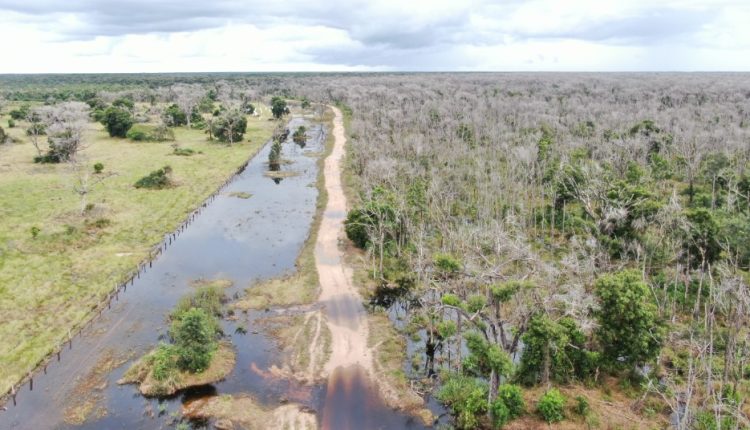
49,283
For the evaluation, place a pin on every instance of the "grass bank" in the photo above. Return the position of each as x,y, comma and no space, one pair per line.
50,281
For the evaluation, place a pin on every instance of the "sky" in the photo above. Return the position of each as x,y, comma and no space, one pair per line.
74,36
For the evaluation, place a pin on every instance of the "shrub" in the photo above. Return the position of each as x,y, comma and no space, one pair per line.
150,133
512,396
207,298
185,152
195,340
98,167
278,107
35,231
11,123
499,414
101,223
467,399
447,264
156,180
300,136
48,158
137,133
163,362
551,406
174,116
355,227
20,113
582,406
117,121
274,155
3,136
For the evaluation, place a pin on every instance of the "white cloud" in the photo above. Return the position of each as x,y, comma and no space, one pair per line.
233,35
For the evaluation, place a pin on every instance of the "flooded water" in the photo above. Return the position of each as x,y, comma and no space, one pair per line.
233,238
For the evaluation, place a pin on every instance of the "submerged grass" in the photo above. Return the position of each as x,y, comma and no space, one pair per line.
56,265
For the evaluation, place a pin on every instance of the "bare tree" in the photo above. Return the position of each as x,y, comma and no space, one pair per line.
187,97
36,128
65,125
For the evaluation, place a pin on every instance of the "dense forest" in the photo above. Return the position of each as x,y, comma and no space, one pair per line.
543,231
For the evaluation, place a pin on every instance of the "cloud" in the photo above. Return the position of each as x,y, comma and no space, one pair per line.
386,34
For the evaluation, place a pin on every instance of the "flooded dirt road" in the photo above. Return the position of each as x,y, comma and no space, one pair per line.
352,399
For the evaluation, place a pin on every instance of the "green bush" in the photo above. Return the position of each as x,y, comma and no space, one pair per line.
185,152
20,113
3,136
195,340
11,123
467,399
163,362
175,117
117,121
35,231
149,133
156,180
512,396
355,227
48,158
279,107
300,135
499,413
98,167
551,406
582,407
208,298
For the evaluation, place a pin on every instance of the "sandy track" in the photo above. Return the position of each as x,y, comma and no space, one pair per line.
346,317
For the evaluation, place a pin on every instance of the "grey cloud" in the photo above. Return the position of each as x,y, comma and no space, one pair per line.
651,26
388,37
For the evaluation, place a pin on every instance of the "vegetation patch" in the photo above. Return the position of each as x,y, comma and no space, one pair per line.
150,133
240,194
158,374
243,412
156,180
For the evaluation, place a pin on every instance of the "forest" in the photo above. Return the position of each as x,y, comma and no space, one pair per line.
554,249
561,230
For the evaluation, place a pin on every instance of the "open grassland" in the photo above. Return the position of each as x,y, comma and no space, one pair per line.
50,283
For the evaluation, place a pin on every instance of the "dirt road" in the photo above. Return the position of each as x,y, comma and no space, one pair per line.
346,317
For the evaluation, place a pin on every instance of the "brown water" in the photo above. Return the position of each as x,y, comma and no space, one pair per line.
238,239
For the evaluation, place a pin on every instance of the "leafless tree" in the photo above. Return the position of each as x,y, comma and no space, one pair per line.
187,97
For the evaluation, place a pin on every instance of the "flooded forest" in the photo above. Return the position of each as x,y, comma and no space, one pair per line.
375,251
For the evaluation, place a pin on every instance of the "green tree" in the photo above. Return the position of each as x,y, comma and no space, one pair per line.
554,350
230,127
279,107
117,121
174,116
195,340
630,331
487,360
